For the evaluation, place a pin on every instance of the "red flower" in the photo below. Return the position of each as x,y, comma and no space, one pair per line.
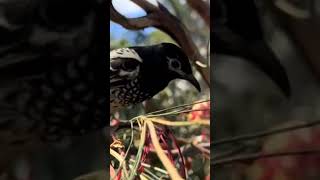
200,111
289,167
114,122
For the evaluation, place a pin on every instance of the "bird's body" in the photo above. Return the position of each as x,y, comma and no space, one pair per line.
48,72
138,73
57,103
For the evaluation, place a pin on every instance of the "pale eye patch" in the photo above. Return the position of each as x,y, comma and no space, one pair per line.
174,64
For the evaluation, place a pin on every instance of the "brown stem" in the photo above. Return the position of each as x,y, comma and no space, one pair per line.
202,8
305,32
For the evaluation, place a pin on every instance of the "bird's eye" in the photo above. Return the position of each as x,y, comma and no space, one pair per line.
130,65
175,64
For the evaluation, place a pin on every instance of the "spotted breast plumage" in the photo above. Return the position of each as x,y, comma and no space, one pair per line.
52,73
138,73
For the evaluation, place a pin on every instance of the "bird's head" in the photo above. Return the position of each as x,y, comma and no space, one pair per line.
177,63
138,73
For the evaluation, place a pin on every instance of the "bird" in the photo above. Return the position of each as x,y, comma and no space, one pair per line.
240,34
52,74
138,73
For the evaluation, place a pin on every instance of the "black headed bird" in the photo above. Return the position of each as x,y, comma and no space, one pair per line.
139,73
237,31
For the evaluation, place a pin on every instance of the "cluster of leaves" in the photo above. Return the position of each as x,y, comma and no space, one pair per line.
157,148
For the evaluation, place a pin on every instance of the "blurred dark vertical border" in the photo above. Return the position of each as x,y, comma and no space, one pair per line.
102,79
102,54
107,60
99,58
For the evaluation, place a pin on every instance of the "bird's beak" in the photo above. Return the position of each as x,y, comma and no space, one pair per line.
260,55
265,60
193,81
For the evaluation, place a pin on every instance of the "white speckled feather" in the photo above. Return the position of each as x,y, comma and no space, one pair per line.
125,53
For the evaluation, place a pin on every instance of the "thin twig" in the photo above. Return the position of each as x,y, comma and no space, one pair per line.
228,153
201,148
172,171
180,123
176,107
264,133
138,155
121,161
151,167
254,156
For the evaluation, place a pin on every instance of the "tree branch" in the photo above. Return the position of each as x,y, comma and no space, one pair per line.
132,23
202,8
304,29
147,6
162,19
